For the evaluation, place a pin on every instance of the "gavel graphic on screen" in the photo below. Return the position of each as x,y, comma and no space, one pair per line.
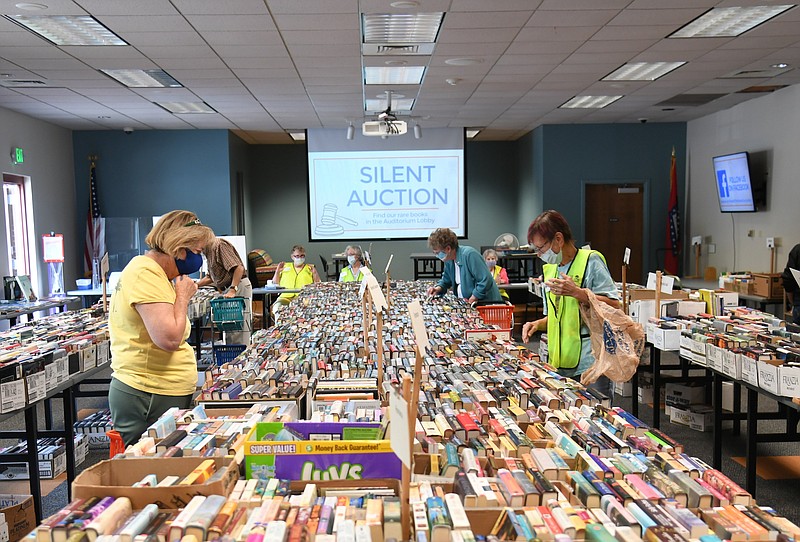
330,223
330,216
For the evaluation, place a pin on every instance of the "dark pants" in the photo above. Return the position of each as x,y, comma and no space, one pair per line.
133,411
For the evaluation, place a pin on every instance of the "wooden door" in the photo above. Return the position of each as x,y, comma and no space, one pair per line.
614,219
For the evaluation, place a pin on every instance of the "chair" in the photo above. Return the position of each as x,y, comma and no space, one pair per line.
326,268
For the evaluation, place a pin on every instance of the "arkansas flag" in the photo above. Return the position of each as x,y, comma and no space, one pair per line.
673,223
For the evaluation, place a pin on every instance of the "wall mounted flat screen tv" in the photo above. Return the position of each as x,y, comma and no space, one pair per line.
736,190
399,187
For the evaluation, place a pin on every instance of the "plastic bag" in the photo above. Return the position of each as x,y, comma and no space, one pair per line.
617,341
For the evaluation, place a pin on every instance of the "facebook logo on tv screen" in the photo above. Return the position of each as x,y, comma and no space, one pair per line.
722,181
733,183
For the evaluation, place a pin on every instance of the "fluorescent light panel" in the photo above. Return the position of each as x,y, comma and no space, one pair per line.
68,29
393,75
143,78
642,71
186,107
729,22
401,27
589,102
297,135
376,105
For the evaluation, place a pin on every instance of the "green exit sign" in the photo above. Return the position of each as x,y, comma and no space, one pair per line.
19,155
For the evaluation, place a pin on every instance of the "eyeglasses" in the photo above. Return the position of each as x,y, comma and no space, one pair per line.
539,250
195,222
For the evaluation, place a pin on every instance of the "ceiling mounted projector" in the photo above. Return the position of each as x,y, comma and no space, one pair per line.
384,128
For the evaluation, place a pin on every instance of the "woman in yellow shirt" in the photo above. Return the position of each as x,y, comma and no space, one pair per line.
294,274
154,367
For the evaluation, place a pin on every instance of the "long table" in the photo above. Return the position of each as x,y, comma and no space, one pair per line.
268,295
32,433
12,310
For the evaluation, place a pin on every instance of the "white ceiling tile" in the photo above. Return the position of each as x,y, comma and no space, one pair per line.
494,5
633,32
328,21
215,7
253,37
483,35
231,23
145,23
313,37
313,6
585,17
154,39
489,19
125,7
656,17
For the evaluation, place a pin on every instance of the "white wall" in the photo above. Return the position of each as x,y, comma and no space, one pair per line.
48,162
771,124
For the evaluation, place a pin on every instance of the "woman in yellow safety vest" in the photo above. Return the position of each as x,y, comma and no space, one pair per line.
568,272
294,274
498,273
355,269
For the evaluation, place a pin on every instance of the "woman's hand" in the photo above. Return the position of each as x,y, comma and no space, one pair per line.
230,292
434,290
528,329
184,286
566,286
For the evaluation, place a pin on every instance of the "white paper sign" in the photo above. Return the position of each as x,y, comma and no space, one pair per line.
363,287
418,325
386,271
626,259
398,427
377,294
667,283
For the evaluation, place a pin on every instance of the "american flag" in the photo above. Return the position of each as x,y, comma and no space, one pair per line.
95,226
673,223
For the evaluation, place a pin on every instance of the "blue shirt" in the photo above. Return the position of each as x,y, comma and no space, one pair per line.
475,278
598,279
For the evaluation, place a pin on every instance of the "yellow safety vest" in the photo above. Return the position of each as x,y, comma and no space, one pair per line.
291,278
563,315
495,274
346,275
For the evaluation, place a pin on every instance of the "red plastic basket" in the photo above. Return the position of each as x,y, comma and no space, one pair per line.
501,316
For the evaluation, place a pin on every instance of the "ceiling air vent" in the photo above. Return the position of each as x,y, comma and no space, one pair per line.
397,49
20,83
754,74
761,88
689,100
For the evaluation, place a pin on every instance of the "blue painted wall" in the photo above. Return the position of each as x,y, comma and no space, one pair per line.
149,173
574,154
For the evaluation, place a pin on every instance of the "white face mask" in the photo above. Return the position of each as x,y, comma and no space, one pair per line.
351,260
299,261
551,257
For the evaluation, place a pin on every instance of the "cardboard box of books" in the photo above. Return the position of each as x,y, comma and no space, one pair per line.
319,451
697,417
20,515
681,395
115,478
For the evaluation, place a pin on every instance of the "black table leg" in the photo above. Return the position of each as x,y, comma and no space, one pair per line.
69,438
656,363
716,460
48,415
752,441
33,460
737,407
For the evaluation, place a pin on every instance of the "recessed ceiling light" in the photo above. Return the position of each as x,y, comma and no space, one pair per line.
780,65
143,78
376,106
186,107
396,62
405,4
463,61
401,27
297,135
589,102
472,132
729,22
68,29
642,71
30,6
393,75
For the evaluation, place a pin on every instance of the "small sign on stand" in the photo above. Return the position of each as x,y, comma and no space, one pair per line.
53,252
103,278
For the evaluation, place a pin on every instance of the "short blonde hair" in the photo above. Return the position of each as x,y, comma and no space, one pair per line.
177,230
443,237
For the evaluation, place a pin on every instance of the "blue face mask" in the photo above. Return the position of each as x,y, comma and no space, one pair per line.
191,264
441,255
